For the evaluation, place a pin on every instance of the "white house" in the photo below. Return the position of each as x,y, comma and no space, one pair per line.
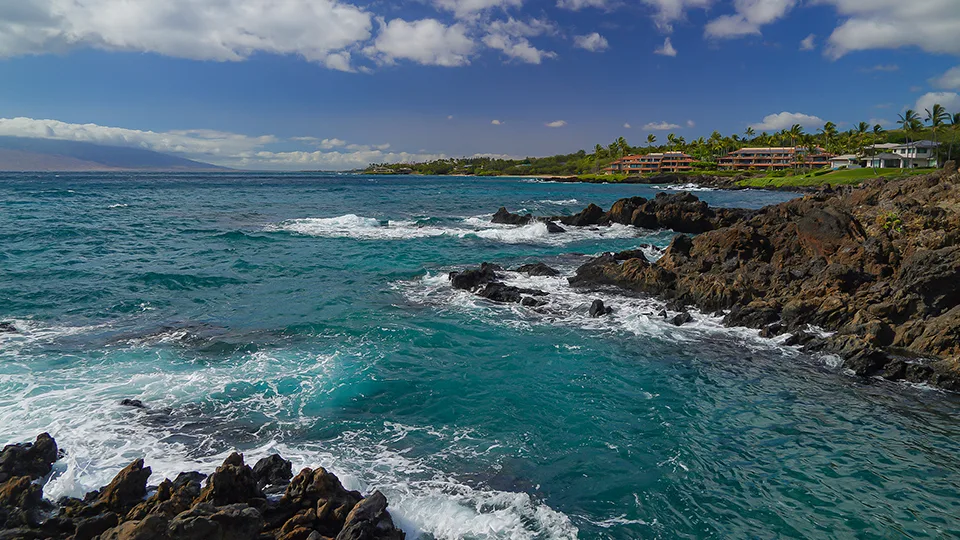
846,161
918,154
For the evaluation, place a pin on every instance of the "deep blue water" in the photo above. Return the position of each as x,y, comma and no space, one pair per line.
310,315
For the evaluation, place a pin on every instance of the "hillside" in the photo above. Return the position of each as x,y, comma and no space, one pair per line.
25,154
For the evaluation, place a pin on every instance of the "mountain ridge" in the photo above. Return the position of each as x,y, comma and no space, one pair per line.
24,154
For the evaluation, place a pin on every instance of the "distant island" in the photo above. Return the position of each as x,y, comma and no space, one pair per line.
18,154
788,158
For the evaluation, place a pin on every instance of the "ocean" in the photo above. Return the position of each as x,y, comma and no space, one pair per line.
311,315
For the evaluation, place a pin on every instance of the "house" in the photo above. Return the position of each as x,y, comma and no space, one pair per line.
914,155
651,163
775,159
846,161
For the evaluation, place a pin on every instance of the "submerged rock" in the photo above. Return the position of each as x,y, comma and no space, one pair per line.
134,403
553,228
8,328
538,269
473,279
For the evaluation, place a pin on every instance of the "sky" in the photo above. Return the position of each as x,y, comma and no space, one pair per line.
338,84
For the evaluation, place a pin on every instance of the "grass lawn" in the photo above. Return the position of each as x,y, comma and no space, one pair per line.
834,178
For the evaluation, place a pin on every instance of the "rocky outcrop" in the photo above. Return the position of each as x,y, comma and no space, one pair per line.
538,269
504,217
877,265
230,505
33,460
485,282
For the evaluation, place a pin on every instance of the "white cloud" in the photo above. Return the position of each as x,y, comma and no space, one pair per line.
750,16
809,43
510,37
195,142
949,80
660,126
930,25
627,126
691,124
786,120
517,48
667,49
427,41
886,68
591,42
667,12
470,8
450,117
577,5
496,122
217,147
557,124
950,100
881,121
225,30
325,160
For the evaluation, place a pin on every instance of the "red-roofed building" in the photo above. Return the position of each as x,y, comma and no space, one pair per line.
780,158
651,163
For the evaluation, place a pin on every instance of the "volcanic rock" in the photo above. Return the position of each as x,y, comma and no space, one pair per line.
538,269
503,217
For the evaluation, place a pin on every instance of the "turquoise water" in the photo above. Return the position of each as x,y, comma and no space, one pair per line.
310,315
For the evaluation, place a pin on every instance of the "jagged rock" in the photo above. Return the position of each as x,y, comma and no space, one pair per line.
20,503
8,328
149,528
538,269
232,483
369,520
473,279
590,215
681,319
273,471
91,527
498,292
503,217
323,491
530,301
877,265
597,309
207,522
125,491
134,403
171,498
34,460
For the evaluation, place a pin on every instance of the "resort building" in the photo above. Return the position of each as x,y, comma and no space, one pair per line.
775,159
651,163
846,161
915,155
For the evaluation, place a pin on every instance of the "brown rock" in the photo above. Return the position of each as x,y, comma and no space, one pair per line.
126,490
322,490
232,483
370,520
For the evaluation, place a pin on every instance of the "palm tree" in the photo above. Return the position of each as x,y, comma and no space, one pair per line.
623,146
908,121
955,127
614,149
749,132
877,129
861,133
829,133
598,152
937,118
651,138
672,139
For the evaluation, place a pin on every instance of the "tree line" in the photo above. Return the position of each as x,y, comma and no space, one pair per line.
936,124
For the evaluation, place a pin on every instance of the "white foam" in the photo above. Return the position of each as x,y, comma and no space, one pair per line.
684,187
564,202
364,228
81,410
566,305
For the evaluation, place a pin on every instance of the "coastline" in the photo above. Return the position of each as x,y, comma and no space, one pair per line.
869,274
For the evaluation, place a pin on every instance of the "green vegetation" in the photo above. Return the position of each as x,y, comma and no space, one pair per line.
828,178
938,125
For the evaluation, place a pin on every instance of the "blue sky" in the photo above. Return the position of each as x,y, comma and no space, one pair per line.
335,84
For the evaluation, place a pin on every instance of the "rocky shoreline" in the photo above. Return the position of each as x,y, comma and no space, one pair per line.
870,274
237,502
